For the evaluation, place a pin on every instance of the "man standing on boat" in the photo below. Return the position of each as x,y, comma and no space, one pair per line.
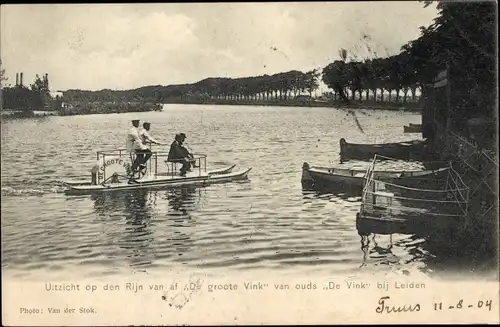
135,145
146,139
132,135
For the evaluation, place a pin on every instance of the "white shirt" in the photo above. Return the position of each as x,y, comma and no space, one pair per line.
133,140
145,137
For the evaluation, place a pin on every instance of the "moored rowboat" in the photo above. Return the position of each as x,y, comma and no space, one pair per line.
399,150
352,180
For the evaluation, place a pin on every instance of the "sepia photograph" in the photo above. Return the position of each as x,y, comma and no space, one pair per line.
249,163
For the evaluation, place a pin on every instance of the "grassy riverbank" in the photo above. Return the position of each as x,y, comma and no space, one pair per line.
356,104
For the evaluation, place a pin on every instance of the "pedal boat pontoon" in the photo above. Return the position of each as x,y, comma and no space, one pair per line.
112,172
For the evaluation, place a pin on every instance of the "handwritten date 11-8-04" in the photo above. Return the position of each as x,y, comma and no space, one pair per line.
486,304
385,307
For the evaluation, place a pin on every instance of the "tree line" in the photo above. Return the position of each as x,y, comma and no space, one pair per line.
281,86
375,78
461,40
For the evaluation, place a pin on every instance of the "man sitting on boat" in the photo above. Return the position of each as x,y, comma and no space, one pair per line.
187,154
178,153
135,145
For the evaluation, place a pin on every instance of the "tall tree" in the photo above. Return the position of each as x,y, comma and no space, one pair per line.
334,76
462,39
311,81
2,75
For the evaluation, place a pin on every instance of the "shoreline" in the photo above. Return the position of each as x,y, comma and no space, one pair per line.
28,113
414,107
410,107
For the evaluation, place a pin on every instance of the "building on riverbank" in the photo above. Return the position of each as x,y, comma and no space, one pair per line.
33,100
460,132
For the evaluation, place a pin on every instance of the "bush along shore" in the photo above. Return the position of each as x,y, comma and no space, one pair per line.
83,108
107,107
28,113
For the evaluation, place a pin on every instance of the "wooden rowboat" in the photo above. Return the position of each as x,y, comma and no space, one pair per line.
400,150
352,180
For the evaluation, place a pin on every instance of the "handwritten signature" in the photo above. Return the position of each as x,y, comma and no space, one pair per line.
384,307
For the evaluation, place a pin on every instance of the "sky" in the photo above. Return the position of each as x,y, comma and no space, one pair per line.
125,46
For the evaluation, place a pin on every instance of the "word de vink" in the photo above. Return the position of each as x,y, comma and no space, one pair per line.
355,285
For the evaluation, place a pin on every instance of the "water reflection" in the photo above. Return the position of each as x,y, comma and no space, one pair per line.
183,200
341,190
148,226
365,246
377,244
136,205
381,254
136,236
308,194
389,227
181,203
382,250
394,250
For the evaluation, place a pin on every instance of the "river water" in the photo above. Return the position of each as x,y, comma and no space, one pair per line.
265,223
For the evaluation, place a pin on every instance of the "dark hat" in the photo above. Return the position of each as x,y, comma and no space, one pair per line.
146,123
182,135
135,120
